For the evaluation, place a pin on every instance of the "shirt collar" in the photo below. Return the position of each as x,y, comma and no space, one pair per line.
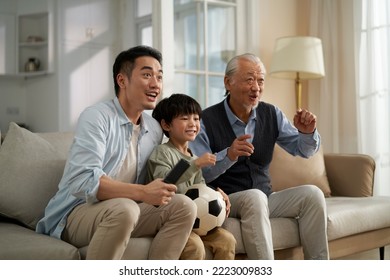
122,116
232,117
123,119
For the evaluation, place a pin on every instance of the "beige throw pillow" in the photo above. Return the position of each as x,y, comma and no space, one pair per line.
30,170
288,171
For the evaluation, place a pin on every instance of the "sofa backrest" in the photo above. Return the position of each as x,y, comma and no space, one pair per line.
288,171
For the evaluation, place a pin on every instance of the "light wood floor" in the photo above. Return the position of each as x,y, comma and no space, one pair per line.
368,255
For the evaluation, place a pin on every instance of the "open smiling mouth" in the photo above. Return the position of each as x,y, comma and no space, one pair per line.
152,94
191,131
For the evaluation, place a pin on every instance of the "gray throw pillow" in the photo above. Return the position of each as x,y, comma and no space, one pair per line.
30,170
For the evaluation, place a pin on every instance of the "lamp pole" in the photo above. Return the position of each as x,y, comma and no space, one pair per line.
298,92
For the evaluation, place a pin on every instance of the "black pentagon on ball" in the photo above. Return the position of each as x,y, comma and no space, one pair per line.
214,208
196,223
193,193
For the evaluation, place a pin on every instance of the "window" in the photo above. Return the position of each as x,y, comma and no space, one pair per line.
374,86
143,21
197,38
205,36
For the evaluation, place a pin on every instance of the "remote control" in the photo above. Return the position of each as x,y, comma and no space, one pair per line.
176,171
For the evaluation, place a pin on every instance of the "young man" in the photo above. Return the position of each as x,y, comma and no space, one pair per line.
242,132
179,116
101,201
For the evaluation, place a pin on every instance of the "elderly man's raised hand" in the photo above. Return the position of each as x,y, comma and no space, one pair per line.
305,121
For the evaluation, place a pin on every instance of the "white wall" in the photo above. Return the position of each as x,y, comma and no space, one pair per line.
32,101
12,97
11,94
79,79
87,46
280,18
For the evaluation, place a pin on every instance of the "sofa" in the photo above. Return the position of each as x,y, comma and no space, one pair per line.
31,165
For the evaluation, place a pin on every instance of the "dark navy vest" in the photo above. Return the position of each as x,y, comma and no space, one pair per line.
248,172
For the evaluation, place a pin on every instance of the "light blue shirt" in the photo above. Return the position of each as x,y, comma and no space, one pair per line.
100,145
289,138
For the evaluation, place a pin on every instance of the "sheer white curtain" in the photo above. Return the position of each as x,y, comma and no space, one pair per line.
374,85
352,102
333,99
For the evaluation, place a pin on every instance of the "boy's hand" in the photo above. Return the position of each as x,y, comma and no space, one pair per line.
206,159
226,199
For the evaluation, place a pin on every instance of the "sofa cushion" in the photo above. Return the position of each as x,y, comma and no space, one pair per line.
30,170
137,249
20,243
353,215
288,171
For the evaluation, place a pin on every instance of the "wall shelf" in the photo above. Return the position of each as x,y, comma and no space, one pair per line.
33,38
26,75
33,44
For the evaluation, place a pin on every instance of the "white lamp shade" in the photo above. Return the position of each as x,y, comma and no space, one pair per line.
294,55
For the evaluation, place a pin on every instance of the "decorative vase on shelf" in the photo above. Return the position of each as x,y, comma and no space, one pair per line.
32,64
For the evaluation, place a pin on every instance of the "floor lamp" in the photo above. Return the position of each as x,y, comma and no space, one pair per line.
298,58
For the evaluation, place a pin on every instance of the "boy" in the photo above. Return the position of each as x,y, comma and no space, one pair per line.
179,116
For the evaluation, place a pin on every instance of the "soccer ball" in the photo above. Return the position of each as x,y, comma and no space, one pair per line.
211,208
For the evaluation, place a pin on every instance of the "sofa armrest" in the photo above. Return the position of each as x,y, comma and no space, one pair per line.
350,174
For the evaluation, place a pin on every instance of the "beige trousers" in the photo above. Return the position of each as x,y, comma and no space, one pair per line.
305,203
219,241
107,226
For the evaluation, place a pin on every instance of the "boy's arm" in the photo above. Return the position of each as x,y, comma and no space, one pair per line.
160,163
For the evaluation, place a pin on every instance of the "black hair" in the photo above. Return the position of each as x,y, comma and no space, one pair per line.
177,104
125,61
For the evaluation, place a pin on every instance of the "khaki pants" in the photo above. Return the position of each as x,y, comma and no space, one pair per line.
107,226
305,203
220,242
